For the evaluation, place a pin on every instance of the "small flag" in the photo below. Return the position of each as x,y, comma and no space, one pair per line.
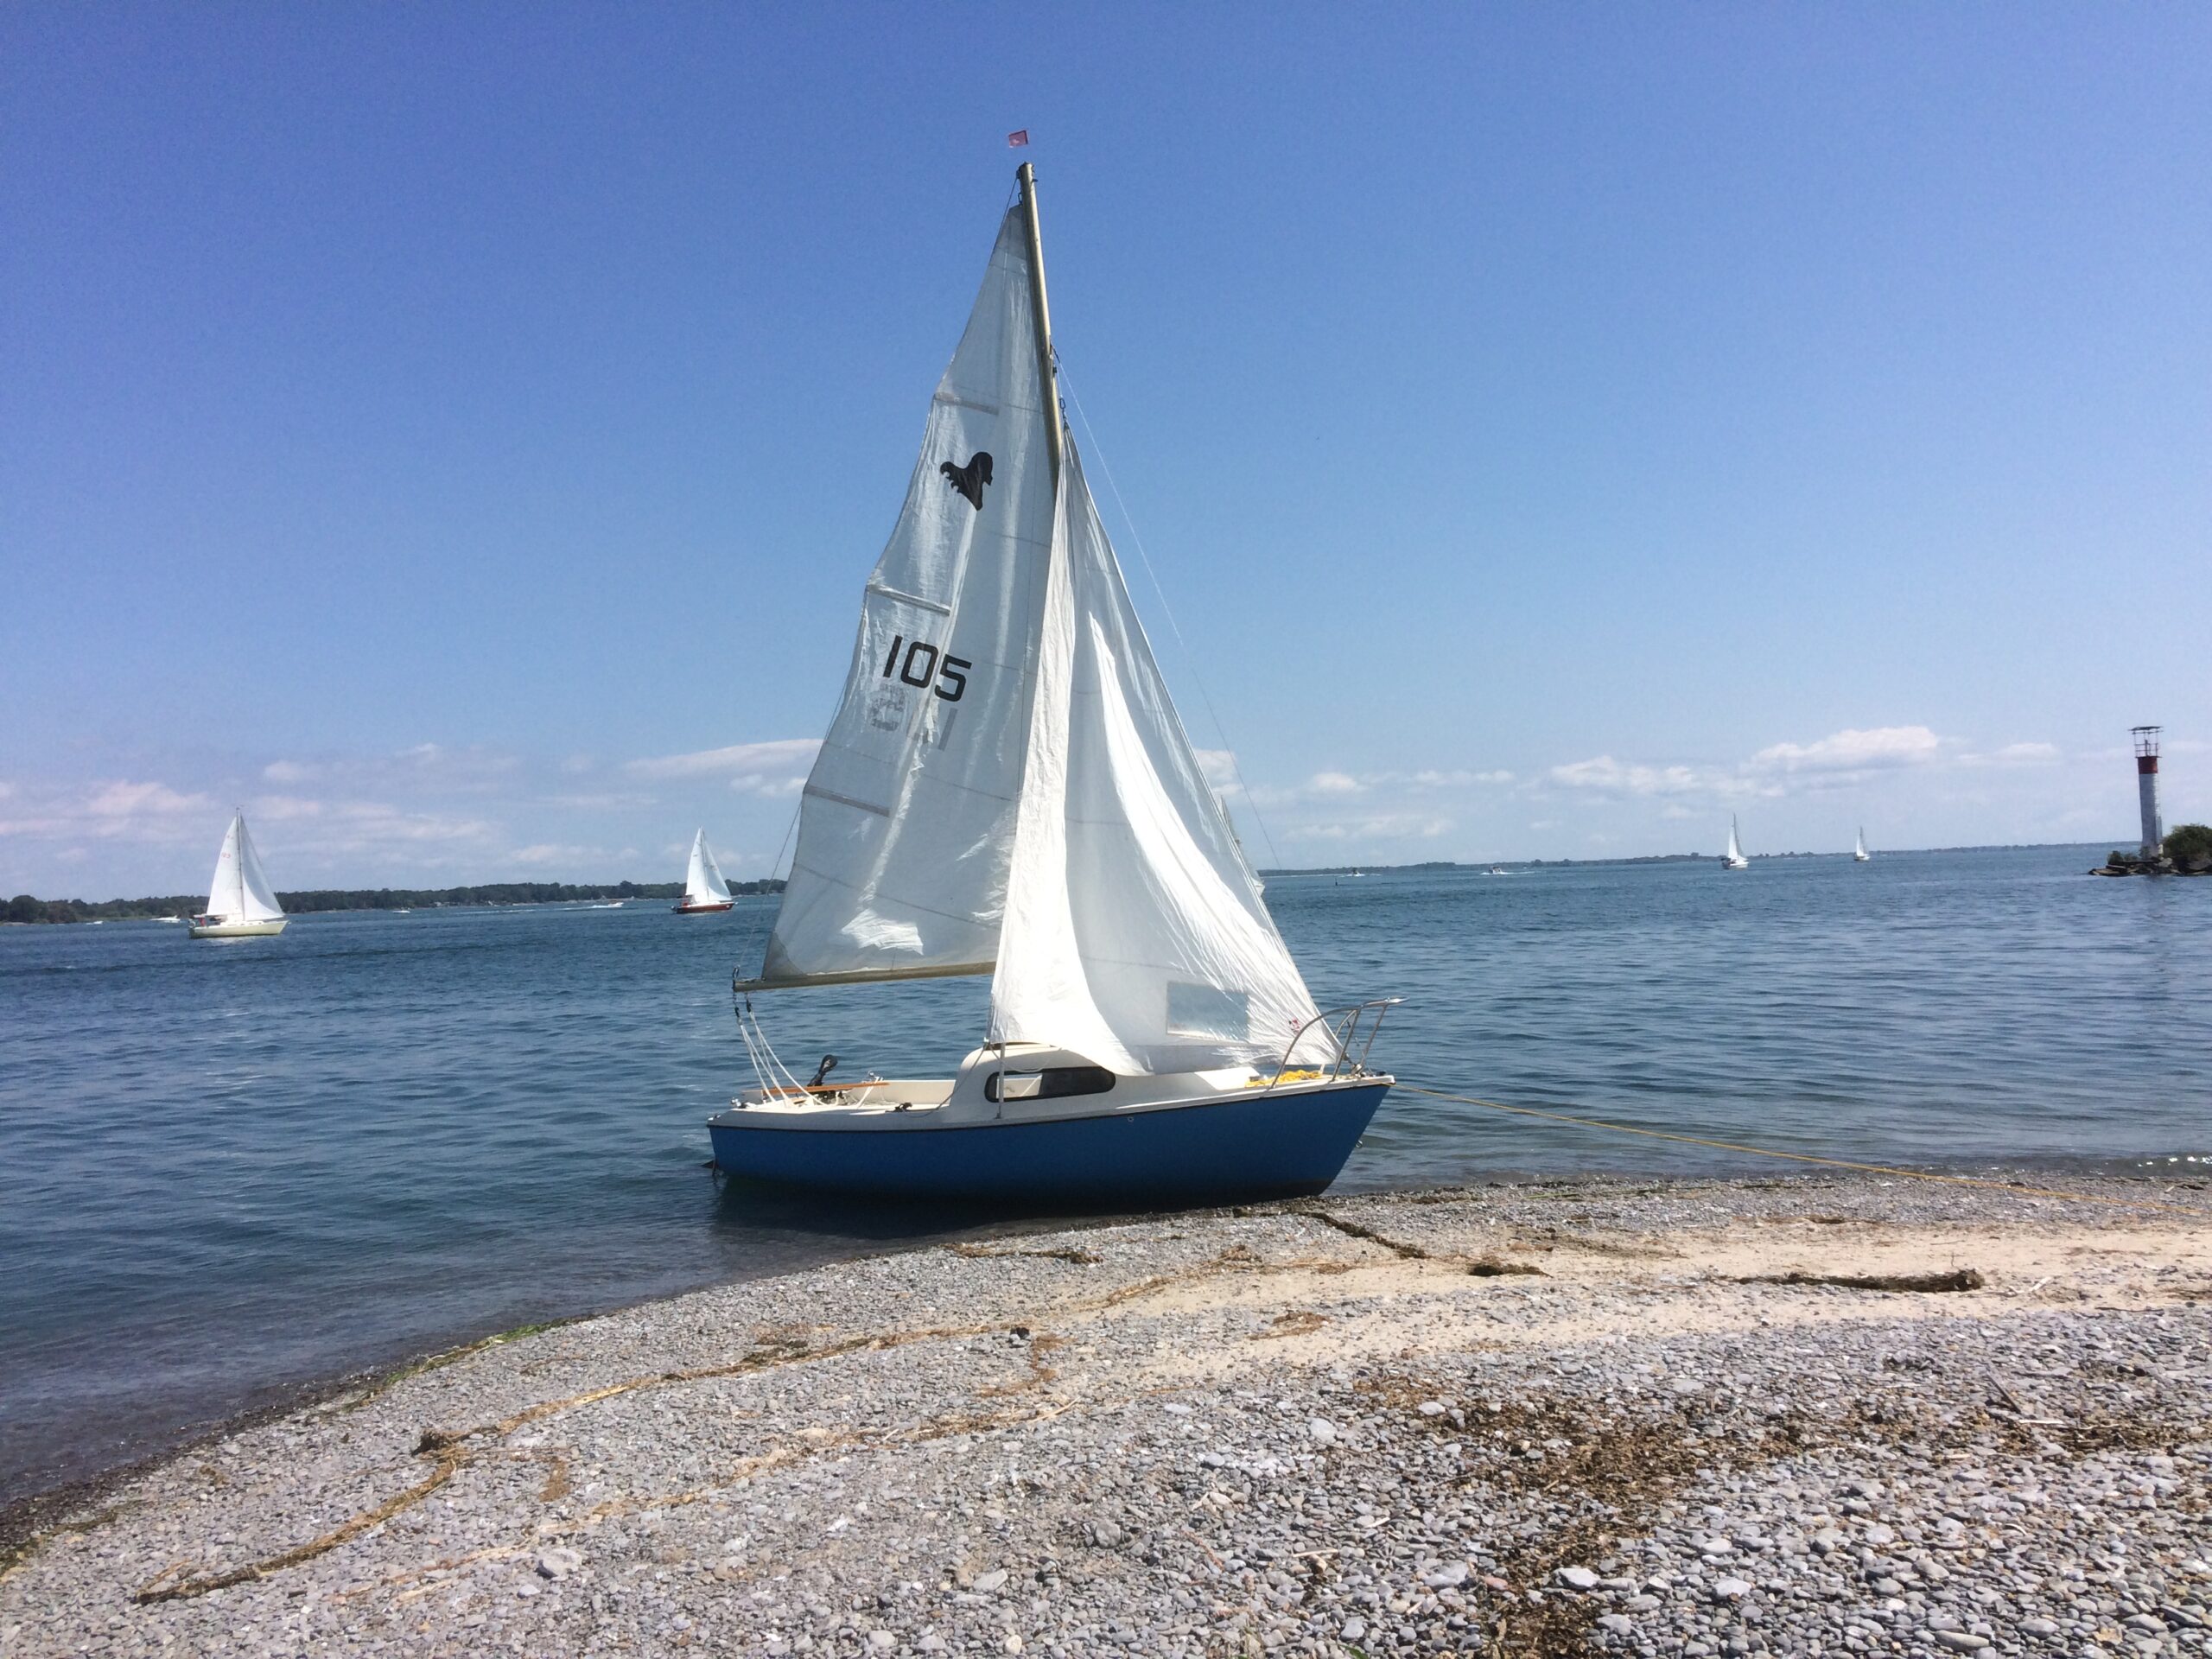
1017,140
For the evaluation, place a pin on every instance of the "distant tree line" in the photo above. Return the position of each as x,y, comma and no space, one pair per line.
24,908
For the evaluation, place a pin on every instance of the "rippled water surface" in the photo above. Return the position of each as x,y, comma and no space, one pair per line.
227,1169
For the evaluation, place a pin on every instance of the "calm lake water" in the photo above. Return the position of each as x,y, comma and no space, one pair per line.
226,1170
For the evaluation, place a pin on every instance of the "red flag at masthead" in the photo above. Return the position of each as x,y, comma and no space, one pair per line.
1017,140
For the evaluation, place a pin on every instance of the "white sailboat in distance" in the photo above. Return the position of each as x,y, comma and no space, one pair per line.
705,892
240,904
1859,853
1733,859
1006,790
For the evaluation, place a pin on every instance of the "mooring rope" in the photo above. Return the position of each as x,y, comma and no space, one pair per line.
2018,1187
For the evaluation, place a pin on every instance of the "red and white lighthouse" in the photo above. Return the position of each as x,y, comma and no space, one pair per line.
2146,785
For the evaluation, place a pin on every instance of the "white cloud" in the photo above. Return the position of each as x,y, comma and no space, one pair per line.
1459,779
281,807
745,764
1606,775
122,799
2016,755
288,771
322,827
1334,783
602,801
1877,748
1389,826
1840,757
546,852
1219,766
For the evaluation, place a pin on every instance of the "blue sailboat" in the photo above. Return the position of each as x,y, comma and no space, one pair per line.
1006,790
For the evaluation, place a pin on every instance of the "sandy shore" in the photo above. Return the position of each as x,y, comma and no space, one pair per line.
1528,1419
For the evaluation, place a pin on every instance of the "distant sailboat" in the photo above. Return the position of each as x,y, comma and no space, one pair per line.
1733,859
240,904
704,890
1006,790
1859,853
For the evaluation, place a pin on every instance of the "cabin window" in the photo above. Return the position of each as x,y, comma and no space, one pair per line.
1053,1082
1208,1011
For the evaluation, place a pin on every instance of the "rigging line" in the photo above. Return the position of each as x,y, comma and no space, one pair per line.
1190,661
786,840
1808,1158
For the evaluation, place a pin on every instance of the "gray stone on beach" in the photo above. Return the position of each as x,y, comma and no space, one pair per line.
812,1463
558,1563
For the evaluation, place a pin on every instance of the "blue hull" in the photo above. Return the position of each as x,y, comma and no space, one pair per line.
1276,1145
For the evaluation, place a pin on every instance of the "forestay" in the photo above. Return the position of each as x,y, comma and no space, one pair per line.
906,822
1135,932
238,891
702,882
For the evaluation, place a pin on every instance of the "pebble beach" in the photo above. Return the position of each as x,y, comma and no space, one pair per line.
1866,1414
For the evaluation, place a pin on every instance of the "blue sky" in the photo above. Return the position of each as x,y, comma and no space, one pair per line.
460,434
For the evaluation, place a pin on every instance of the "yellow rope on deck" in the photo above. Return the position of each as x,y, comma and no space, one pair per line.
1808,1158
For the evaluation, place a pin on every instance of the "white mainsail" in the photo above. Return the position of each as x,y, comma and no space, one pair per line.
1735,853
238,891
1858,848
702,882
1134,931
1007,786
906,823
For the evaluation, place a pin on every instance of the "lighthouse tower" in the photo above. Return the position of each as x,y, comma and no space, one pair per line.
2147,784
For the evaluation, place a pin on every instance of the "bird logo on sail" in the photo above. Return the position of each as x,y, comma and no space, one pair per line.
970,479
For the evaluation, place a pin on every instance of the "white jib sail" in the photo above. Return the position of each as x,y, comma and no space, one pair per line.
1858,848
702,882
239,892
1134,931
1735,852
906,823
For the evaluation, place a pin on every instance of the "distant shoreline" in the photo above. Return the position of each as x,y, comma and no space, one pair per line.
1446,867
24,909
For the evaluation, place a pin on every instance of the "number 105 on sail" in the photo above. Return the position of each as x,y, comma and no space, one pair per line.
922,663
